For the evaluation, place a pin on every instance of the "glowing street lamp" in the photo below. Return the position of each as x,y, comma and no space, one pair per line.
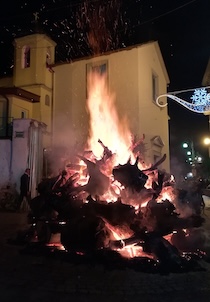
191,150
199,159
185,145
206,142
191,154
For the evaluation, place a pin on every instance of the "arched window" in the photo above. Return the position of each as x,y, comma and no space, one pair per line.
48,57
23,114
154,86
26,56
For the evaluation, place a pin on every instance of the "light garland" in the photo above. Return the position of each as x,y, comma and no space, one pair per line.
200,100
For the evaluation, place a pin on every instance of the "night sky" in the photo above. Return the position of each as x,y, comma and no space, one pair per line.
182,28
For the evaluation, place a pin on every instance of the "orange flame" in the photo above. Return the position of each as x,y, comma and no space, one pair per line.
105,123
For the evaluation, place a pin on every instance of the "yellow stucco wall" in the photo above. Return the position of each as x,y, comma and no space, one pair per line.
130,78
153,119
70,91
6,82
69,102
17,105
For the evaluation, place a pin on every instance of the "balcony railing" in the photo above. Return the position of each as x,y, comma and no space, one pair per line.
6,127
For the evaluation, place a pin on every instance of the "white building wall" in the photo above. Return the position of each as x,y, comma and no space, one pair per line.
20,149
25,150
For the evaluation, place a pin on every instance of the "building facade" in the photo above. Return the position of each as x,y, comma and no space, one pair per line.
55,95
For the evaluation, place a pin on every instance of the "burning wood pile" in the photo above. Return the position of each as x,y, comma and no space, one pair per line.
138,221
106,203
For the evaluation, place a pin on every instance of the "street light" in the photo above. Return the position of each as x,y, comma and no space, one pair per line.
206,142
185,145
191,153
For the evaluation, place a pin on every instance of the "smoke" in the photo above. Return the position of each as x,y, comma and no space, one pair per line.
177,169
184,211
67,142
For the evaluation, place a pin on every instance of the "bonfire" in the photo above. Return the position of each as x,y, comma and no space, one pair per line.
108,199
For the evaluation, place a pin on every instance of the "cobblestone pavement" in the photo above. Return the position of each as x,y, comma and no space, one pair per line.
27,277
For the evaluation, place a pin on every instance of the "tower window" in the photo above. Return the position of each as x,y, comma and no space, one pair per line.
26,57
23,114
48,57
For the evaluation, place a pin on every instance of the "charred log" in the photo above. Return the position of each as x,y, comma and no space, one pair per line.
130,176
98,183
155,166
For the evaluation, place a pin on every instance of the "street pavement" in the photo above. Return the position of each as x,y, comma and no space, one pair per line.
41,277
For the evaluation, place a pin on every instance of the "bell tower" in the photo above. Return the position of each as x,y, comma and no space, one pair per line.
33,56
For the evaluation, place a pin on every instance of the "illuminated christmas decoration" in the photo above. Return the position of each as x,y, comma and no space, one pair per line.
200,100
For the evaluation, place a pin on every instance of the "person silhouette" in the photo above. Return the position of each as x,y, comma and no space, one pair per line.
24,188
